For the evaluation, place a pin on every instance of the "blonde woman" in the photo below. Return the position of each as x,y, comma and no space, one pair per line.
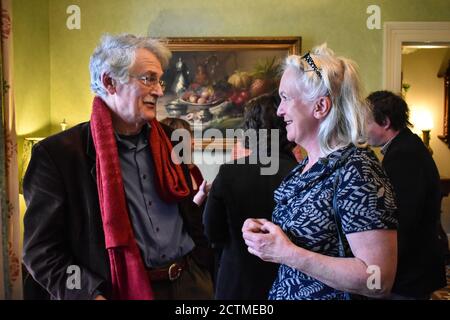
334,224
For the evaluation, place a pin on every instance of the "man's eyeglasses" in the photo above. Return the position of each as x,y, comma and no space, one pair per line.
150,81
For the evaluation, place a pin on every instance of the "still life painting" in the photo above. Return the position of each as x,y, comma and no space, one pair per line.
209,80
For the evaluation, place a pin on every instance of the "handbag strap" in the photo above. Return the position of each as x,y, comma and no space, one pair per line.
337,218
335,209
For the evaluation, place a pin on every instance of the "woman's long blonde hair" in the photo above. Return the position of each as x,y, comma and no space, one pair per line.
346,121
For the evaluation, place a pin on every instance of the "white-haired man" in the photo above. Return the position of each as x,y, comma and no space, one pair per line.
113,206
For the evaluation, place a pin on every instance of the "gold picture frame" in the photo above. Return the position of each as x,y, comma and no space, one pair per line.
209,79
445,137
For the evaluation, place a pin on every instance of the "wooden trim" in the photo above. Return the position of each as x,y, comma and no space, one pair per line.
286,45
396,33
445,137
292,44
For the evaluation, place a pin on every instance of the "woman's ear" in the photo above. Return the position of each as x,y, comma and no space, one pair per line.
322,107
109,83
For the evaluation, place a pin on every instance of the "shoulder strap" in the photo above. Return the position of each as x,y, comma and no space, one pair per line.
335,209
337,217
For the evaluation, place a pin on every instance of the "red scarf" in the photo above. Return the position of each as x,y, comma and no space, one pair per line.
196,175
128,275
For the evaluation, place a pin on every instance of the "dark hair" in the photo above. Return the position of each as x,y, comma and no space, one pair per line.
261,113
177,123
386,104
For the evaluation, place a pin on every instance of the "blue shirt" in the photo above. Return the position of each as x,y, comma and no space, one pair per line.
157,225
304,204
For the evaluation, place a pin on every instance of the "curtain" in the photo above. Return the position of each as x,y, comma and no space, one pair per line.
10,253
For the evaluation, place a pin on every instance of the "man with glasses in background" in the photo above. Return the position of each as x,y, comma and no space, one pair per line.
109,214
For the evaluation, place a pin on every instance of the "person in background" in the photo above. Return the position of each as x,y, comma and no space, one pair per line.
104,198
415,178
196,175
240,191
334,223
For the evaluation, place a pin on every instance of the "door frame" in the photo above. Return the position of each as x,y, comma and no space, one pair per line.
395,34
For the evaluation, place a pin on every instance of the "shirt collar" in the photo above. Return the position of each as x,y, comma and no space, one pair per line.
385,147
326,164
142,141
321,169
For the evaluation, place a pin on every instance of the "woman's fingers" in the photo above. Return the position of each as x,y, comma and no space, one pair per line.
251,225
251,236
254,252
254,224
269,227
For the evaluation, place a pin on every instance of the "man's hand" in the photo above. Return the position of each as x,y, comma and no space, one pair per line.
100,297
202,193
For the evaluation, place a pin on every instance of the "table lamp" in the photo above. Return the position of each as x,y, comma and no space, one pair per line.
28,144
424,122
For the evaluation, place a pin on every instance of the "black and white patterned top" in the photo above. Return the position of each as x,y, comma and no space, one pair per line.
304,204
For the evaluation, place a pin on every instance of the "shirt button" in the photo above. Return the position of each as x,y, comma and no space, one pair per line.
150,203
157,229
144,176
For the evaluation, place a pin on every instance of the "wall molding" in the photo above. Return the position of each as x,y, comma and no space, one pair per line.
396,33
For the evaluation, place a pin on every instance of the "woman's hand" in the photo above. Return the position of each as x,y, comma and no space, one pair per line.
202,193
266,240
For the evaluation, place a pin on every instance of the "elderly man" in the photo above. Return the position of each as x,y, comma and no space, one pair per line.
109,214
415,179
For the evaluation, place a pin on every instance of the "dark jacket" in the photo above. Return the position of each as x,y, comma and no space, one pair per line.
63,224
415,178
239,192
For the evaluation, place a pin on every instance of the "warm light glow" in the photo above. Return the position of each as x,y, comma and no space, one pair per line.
421,119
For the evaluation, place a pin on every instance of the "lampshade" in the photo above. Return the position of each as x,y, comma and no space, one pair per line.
422,119
26,156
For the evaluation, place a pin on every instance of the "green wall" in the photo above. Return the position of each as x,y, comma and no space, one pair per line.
31,65
51,62
340,23
31,69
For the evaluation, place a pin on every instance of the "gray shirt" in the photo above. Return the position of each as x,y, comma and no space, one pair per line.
158,226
